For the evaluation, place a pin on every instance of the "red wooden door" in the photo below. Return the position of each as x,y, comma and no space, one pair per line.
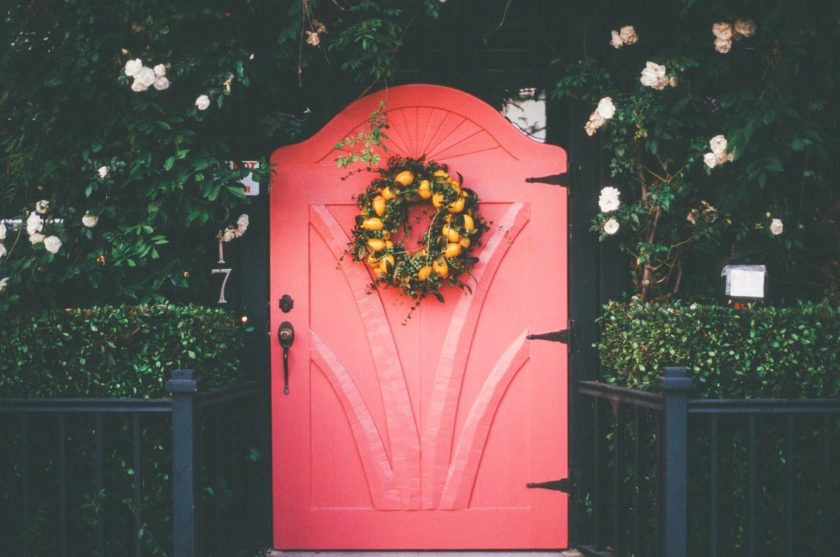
420,433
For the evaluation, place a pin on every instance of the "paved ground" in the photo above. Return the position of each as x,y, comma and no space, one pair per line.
569,553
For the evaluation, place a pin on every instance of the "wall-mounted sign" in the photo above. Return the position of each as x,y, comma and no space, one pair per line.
744,281
252,187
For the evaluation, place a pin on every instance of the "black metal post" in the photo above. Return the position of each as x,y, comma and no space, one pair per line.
675,387
183,387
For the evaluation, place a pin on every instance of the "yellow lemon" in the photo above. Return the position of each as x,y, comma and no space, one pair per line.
440,173
464,242
424,272
469,223
457,206
455,185
372,260
406,177
452,250
425,189
376,244
372,223
441,267
451,234
389,244
388,193
386,264
379,205
437,200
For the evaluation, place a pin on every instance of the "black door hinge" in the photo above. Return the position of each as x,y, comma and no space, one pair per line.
564,485
554,180
563,335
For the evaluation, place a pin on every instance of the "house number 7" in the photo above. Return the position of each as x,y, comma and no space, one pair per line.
226,272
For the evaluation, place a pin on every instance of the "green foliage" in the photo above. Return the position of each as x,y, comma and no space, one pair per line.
773,97
755,351
366,146
127,351
166,188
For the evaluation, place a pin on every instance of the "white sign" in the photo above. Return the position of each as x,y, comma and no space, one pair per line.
252,187
744,281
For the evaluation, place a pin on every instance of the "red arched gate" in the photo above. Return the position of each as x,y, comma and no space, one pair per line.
420,435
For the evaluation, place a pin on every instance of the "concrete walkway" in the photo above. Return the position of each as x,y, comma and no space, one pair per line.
568,553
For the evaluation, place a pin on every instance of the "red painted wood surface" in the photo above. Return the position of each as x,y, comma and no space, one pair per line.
420,433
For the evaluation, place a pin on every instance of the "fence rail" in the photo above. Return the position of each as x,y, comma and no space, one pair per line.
750,477
74,464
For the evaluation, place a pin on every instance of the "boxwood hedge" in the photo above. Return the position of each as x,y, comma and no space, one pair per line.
749,352
127,351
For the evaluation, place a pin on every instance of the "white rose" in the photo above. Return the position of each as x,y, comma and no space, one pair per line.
42,206
606,108
595,122
3,282
2,231
628,35
34,223
718,144
744,28
146,76
137,86
52,244
161,83
673,81
723,45
36,238
102,171
710,159
133,67
90,220
722,30
3,251
611,226
609,199
692,215
229,234
654,76
242,224
776,227
160,70
722,158
202,102
657,69
615,40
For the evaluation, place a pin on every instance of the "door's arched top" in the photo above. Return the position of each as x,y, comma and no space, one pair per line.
437,122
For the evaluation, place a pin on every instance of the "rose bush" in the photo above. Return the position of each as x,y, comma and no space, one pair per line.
122,117
720,142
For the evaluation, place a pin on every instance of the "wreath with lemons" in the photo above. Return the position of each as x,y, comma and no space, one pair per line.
444,254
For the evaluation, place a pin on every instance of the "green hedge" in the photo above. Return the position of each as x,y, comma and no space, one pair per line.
756,351
116,350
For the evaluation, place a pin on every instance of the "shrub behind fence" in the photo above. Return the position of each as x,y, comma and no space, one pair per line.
83,477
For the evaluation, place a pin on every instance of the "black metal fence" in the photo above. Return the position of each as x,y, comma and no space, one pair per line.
671,476
180,476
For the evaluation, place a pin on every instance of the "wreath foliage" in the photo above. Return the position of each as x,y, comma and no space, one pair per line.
445,251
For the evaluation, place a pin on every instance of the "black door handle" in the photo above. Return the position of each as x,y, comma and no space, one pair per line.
286,337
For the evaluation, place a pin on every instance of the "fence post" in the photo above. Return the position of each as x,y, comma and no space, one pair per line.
675,387
183,387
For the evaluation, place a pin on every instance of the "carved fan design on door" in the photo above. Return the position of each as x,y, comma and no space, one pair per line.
427,469
446,476
435,133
